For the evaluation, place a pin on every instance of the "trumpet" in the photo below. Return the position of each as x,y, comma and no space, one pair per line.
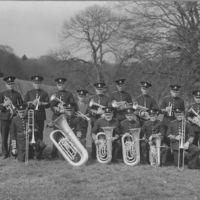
99,108
131,147
67,143
10,105
29,127
104,145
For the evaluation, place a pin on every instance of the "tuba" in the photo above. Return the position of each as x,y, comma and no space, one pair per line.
104,145
67,143
154,149
131,147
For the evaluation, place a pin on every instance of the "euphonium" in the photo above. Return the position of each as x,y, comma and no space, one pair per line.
131,147
104,145
67,143
154,149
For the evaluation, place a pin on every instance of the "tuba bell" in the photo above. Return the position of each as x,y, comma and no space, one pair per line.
131,147
154,149
67,143
104,145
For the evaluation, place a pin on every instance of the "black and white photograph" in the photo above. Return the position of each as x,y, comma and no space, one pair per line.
100,100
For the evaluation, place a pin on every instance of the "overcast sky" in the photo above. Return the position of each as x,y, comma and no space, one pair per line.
33,28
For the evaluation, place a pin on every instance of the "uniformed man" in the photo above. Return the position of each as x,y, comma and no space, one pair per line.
146,101
58,101
82,101
38,100
193,115
120,96
169,104
19,129
79,124
177,130
152,128
130,122
108,121
100,99
9,100
60,98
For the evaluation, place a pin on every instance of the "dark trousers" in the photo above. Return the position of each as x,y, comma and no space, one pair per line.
116,150
40,124
197,138
5,144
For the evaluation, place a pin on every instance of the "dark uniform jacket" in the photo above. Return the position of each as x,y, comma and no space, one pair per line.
79,126
127,125
176,102
16,99
196,108
31,95
100,123
150,128
147,101
120,96
175,128
66,97
82,107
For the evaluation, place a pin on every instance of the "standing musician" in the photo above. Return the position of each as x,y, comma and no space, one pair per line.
82,101
19,129
9,100
120,96
193,116
169,104
108,121
57,101
38,100
145,100
149,129
100,101
175,131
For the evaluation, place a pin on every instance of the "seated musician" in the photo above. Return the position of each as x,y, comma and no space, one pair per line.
174,132
18,136
193,115
108,121
151,129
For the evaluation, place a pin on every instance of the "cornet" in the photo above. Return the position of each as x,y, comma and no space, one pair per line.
119,104
61,106
196,118
98,110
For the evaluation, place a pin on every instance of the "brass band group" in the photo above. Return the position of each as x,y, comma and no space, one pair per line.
105,127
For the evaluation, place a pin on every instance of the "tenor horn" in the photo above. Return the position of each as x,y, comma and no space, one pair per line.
104,145
67,143
131,147
154,150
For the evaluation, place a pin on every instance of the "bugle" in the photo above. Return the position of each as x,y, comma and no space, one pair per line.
67,143
131,147
104,145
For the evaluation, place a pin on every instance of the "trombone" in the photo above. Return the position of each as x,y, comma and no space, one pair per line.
29,128
181,157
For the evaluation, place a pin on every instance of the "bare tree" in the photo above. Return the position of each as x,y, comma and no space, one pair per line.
90,32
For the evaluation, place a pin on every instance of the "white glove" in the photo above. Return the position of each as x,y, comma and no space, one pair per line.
177,137
14,152
186,145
